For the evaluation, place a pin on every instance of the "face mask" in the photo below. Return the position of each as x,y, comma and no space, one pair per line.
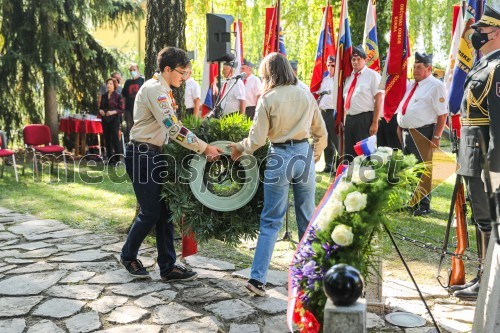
133,73
478,39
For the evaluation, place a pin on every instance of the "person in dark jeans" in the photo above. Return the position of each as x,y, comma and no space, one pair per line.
110,111
156,121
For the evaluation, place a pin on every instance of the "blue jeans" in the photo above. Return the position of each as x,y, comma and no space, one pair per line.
144,168
286,165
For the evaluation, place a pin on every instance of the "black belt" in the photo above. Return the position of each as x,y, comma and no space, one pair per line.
149,145
289,142
421,127
327,110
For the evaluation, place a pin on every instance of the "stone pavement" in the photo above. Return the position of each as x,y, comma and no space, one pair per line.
54,278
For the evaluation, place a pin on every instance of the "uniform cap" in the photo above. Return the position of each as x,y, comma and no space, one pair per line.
358,51
331,58
247,63
423,58
490,18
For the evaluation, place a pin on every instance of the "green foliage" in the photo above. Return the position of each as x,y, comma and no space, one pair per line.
48,43
388,189
230,227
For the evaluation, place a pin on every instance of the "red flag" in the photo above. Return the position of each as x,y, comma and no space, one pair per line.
209,87
273,35
396,72
326,47
189,243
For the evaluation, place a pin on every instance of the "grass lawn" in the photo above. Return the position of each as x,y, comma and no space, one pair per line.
96,200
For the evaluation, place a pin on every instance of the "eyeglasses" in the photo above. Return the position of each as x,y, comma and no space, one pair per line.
183,74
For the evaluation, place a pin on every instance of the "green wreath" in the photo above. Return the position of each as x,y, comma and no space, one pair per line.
232,226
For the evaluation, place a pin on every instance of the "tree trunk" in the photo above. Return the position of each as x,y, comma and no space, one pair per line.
48,72
165,26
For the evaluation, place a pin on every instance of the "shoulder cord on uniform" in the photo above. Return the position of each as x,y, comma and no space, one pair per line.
472,101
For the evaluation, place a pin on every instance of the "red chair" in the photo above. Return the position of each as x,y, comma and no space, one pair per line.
6,153
37,137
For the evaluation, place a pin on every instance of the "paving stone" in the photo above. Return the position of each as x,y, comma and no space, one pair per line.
8,243
2,228
133,329
454,326
374,321
203,325
37,227
83,322
76,277
106,304
406,290
231,286
115,247
81,291
275,303
59,308
19,261
138,288
1,276
9,253
421,330
275,324
4,210
91,239
161,297
204,295
186,284
75,247
15,325
45,326
40,266
127,314
209,263
172,313
17,306
41,253
82,256
4,269
274,277
30,246
407,305
208,274
29,284
460,313
57,234
97,267
231,310
7,236
244,328
113,277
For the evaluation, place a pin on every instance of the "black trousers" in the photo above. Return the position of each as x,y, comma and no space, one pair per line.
333,140
410,147
387,134
479,202
250,112
356,128
110,127
129,119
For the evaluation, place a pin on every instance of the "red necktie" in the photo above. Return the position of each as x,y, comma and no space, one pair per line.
223,90
407,101
350,92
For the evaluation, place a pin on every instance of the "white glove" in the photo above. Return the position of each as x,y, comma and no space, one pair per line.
495,180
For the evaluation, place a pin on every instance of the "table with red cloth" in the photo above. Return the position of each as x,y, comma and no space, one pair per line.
81,127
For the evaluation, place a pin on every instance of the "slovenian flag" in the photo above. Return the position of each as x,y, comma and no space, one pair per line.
326,47
343,66
370,41
210,72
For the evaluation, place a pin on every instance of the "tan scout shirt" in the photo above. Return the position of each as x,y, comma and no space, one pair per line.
286,113
155,118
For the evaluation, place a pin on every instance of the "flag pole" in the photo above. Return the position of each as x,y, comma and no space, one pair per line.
278,9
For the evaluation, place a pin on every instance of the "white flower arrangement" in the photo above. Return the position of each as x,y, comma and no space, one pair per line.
330,211
343,188
355,201
362,175
342,235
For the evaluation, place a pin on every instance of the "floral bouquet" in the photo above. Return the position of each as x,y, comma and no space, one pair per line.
350,215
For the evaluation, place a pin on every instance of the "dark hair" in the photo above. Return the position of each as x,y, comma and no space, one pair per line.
275,70
112,79
172,57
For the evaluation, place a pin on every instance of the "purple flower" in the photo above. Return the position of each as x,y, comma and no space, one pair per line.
329,249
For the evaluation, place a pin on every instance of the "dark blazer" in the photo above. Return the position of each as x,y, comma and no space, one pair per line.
477,81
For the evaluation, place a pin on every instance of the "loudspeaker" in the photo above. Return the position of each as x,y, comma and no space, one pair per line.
219,37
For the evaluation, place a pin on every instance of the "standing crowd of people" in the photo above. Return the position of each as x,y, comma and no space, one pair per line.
286,114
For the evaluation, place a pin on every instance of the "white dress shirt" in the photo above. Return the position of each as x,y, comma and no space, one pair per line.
426,104
327,101
231,103
302,85
252,90
363,97
193,91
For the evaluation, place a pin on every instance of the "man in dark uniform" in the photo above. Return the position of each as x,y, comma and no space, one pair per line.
480,113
